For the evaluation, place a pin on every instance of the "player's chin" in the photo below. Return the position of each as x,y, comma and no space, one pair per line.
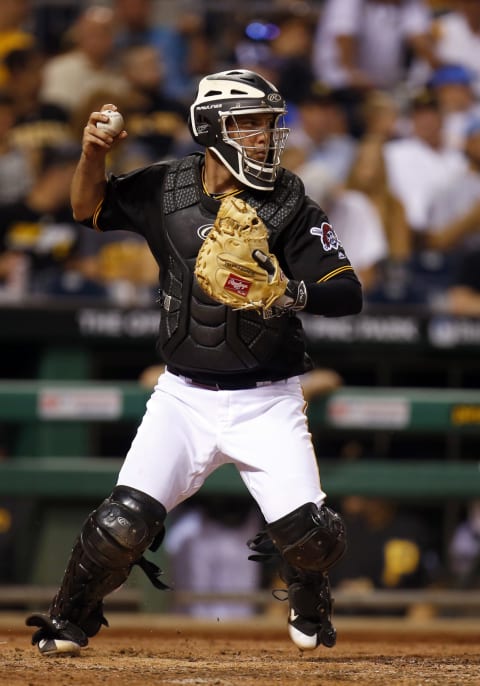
260,158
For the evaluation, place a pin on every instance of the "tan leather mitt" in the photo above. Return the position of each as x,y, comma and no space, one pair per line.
225,267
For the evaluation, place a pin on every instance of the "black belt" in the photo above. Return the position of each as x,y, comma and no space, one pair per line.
222,385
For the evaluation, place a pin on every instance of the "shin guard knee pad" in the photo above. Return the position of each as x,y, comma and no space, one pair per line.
310,538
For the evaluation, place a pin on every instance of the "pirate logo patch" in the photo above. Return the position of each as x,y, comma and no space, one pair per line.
327,236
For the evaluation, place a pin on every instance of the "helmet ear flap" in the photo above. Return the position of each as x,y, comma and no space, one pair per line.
205,134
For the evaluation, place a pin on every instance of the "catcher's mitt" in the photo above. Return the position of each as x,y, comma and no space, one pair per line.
226,267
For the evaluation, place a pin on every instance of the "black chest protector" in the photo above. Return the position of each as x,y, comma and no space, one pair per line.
199,337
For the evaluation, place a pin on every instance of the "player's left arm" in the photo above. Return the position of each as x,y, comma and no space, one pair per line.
312,253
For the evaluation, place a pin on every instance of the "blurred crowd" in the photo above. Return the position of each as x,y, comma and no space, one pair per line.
384,111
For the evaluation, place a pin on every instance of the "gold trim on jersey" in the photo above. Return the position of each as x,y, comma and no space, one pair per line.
218,196
339,270
95,215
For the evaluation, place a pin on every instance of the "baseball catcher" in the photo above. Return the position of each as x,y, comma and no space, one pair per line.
241,250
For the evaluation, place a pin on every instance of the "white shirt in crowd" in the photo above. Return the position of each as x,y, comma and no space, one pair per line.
456,43
455,202
358,226
70,79
417,173
381,30
455,125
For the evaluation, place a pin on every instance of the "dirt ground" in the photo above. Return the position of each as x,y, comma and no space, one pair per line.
170,651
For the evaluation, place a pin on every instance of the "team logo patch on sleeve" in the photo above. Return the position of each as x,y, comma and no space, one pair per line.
327,236
236,284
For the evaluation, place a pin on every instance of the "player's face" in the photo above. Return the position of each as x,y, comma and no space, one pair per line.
253,132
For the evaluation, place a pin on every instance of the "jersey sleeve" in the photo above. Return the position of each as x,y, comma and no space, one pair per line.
128,200
311,250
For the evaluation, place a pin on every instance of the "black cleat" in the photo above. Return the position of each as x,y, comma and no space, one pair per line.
309,621
56,636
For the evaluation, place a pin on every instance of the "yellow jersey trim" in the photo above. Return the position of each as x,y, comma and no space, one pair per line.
330,275
95,215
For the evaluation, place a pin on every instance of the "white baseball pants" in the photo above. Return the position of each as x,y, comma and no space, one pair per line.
188,431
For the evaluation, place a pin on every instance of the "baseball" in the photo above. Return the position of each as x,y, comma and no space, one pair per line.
114,125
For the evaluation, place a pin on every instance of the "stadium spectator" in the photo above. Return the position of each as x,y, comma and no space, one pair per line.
52,21
182,48
368,249
421,169
464,549
291,47
37,233
199,41
207,548
390,548
71,77
320,148
13,34
348,211
382,250
44,252
15,169
452,85
368,175
38,123
380,116
456,38
120,268
455,234
462,295
419,166
157,124
7,540
455,212
16,520
362,45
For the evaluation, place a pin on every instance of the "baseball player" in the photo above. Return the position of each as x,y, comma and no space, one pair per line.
231,391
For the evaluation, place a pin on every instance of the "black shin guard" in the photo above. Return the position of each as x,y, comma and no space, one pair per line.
306,542
112,540
310,538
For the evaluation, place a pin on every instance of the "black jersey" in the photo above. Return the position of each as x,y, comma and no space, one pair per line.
199,337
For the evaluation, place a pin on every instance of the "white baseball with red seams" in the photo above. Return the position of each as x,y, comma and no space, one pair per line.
115,123
175,451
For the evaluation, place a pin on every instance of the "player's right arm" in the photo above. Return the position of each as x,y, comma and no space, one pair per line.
89,180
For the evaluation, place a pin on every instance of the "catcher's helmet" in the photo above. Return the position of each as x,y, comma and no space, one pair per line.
220,98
